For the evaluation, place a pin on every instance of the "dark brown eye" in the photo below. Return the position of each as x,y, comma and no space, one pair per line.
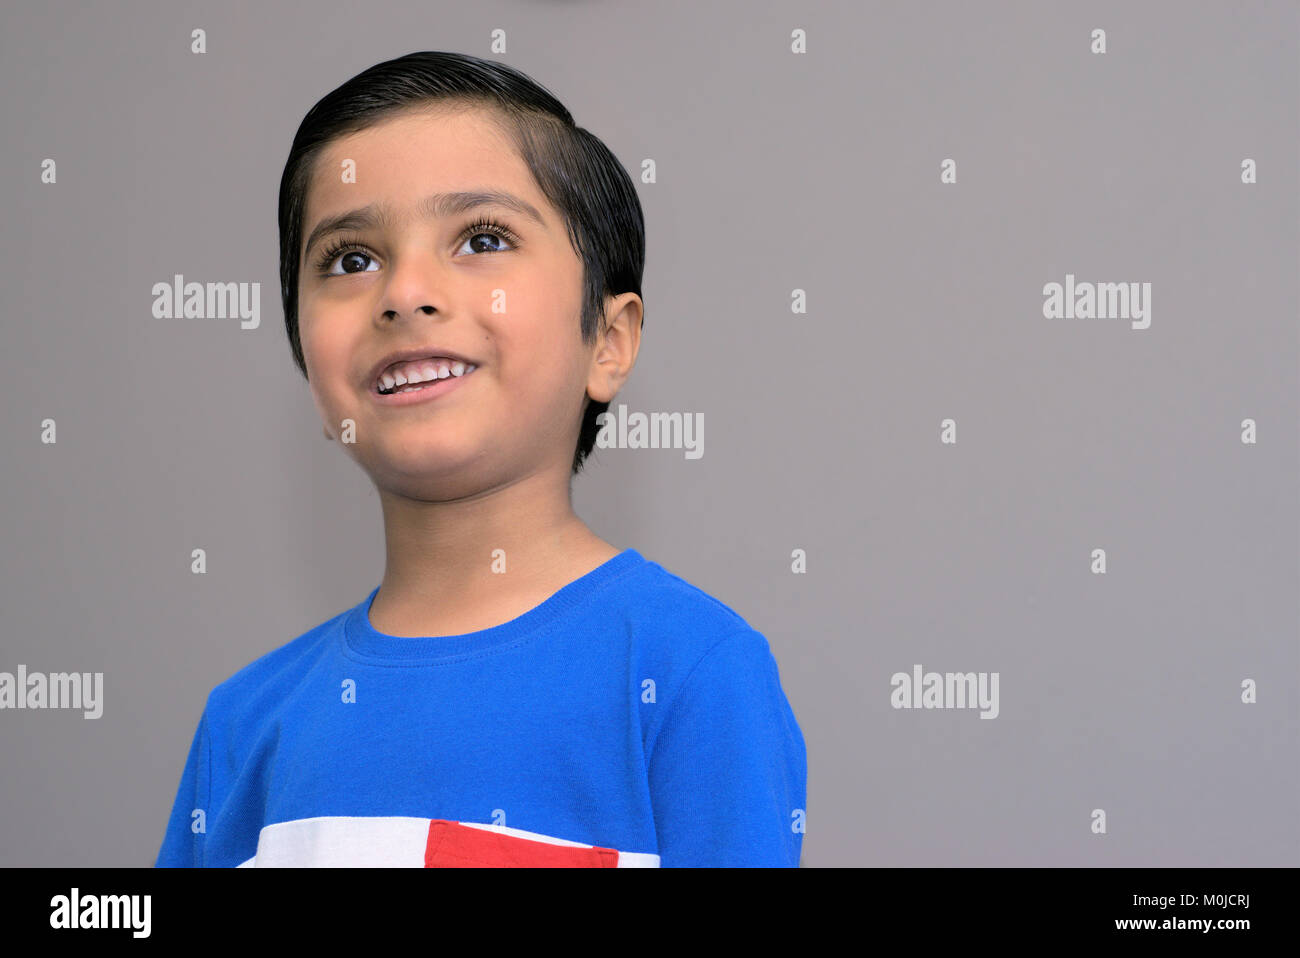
344,251
484,243
354,257
486,235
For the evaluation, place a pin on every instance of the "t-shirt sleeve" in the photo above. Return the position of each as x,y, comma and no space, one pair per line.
728,768
182,846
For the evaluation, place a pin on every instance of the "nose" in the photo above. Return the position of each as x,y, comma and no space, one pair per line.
414,287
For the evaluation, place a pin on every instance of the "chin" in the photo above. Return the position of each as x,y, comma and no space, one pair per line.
416,460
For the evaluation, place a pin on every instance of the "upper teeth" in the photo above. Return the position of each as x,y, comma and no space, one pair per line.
420,371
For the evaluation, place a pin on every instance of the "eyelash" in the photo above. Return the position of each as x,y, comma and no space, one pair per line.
486,224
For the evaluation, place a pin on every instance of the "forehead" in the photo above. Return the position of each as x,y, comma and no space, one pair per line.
404,158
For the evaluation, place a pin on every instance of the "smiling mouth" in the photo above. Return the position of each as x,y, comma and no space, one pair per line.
413,380
419,394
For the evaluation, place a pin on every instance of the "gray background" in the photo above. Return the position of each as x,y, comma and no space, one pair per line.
775,172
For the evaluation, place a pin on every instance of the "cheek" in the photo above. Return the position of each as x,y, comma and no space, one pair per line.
325,351
309,340
541,358
554,390
540,372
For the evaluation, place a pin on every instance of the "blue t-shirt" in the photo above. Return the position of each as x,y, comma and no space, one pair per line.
628,720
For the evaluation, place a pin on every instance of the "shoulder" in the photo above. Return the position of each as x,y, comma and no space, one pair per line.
268,679
677,615
712,698
679,631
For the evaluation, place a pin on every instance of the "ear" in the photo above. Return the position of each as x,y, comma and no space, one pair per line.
325,430
617,346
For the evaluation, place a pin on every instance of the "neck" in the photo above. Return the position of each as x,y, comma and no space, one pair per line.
467,564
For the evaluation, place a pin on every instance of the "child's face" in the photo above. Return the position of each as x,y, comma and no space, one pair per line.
415,282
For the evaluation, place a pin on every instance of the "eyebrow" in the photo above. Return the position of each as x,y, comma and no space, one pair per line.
441,205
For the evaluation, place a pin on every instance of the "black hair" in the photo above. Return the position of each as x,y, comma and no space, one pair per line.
574,170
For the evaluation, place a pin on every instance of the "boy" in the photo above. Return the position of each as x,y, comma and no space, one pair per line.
516,691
